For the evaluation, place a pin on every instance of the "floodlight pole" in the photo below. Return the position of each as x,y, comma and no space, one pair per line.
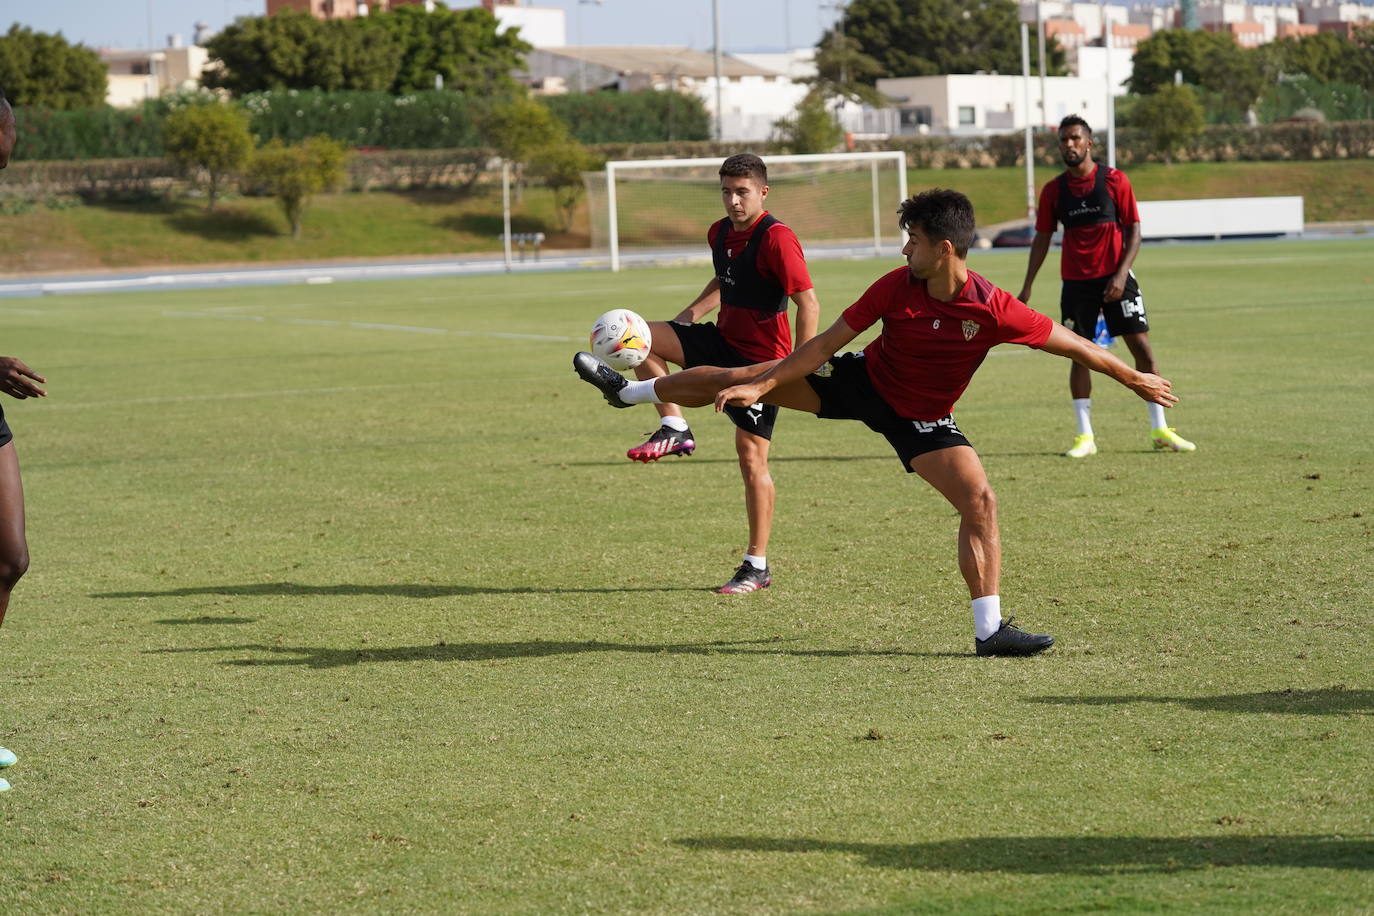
1040,36
720,111
505,208
1030,146
1111,96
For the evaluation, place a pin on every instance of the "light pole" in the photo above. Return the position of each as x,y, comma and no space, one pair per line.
720,112
581,61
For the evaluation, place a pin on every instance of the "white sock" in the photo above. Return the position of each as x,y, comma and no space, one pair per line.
759,563
987,615
1157,420
677,424
1082,410
638,393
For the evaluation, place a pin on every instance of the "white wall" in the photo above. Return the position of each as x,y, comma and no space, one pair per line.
541,26
997,102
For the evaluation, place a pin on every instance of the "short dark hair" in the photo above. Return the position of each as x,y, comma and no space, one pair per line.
941,215
1074,120
744,165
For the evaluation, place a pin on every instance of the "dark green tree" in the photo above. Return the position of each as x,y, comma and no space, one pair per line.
932,37
465,47
560,167
42,70
1172,116
812,128
294,50
1212,61
213,138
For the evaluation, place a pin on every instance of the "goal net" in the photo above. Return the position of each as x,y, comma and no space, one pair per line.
838,204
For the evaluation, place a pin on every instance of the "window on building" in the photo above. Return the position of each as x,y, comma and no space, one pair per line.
966,116
911,118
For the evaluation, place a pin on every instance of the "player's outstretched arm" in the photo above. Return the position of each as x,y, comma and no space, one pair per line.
1040,247
1148,386
706,302
17,380
800,363
808,314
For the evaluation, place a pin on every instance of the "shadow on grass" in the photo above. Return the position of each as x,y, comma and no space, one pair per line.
487,224
224,225
398,590
182,621
1321,701
620,462
316,657
1078,855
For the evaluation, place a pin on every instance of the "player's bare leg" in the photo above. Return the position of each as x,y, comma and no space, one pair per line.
759,497
673,436
958,475
14,548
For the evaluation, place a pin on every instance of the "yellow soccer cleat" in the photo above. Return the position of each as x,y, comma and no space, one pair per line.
1083,446
1166,438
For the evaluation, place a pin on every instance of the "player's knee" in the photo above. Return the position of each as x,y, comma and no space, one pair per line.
982,505
13,564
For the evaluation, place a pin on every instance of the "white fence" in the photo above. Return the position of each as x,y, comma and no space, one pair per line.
1220,217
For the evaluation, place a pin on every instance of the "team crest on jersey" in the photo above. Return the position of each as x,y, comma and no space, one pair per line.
970,328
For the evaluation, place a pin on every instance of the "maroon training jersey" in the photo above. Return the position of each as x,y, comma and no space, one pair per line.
1089,251
762,336
928,350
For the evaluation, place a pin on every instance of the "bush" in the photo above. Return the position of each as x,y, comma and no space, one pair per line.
209,138
294,174
645,116
1172,116
811,128
421,120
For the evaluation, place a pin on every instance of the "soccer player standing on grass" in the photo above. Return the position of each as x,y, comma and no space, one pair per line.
758,266
939,319
18,381
1101,238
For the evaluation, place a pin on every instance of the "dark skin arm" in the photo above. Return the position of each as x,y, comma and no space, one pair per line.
1040,246
1130,246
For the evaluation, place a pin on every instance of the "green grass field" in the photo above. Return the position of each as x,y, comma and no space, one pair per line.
332,613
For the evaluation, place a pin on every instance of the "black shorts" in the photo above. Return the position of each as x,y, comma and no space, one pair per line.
6,437
702,345
1080,301
846,393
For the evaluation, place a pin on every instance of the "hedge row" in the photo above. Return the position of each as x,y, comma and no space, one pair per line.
464,167
421,120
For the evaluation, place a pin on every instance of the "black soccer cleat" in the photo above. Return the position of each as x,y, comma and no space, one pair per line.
1012,640
746,579
594,372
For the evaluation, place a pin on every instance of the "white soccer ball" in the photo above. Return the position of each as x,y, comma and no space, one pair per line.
621,339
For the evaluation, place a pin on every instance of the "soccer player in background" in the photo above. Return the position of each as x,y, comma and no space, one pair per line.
18,381
758,265
939,319
1097,207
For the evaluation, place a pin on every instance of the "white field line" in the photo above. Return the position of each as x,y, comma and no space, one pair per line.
370,326
229,396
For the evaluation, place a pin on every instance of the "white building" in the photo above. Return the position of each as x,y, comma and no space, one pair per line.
752,97
975,104
541,26
136,75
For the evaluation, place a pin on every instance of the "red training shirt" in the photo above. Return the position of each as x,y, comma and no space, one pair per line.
762,336
1090,251
928,350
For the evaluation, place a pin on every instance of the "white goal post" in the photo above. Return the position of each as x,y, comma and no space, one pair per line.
846,200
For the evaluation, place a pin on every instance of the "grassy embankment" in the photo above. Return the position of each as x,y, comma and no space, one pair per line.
381,224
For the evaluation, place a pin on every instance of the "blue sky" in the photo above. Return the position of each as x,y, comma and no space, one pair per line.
746,25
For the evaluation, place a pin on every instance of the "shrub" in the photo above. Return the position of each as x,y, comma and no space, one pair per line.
211,138
294,174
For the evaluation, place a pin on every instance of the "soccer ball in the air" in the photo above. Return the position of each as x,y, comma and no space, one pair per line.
620,338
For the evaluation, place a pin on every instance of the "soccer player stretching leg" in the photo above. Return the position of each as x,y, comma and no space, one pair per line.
758,266
18,381
939,319
1101,237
